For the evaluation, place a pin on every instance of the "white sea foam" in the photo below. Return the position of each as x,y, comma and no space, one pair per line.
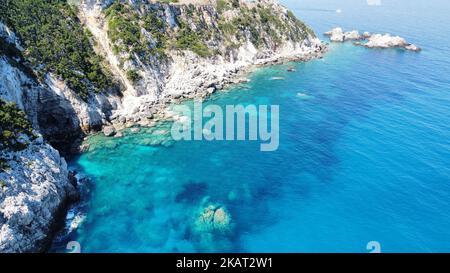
303,96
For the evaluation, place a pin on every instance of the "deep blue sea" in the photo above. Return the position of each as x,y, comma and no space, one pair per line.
364,154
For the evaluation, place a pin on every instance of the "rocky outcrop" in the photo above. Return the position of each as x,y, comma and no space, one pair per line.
388,41
372,40
33,191
338,35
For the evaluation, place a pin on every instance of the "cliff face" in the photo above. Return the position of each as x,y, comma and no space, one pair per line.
55,110
33,191
121,63
161,51
34,186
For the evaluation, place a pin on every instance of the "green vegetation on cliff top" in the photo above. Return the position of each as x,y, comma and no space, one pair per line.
55,42
125,27
143,31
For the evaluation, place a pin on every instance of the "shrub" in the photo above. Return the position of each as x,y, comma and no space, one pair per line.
133,76
2,184
192,41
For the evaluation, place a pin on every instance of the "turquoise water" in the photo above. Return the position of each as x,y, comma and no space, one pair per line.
364,155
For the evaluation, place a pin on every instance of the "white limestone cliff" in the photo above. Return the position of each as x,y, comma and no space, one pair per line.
33,191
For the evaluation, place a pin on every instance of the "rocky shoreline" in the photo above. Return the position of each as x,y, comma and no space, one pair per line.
151,113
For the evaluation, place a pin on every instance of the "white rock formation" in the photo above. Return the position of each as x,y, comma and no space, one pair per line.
373,41
385,41
32,192
338,35
388,41
186,75
352,35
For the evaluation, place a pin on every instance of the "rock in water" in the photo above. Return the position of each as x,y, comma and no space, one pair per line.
109,131
352,35
373,41
213,228
213,219
385,41
135,130
413,47
221,218
338,35
388,41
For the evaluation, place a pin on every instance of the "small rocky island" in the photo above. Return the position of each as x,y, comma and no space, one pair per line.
370,40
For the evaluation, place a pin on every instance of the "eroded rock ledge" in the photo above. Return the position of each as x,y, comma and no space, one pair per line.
370,40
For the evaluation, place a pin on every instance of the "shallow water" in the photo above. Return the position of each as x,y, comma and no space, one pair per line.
364,154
